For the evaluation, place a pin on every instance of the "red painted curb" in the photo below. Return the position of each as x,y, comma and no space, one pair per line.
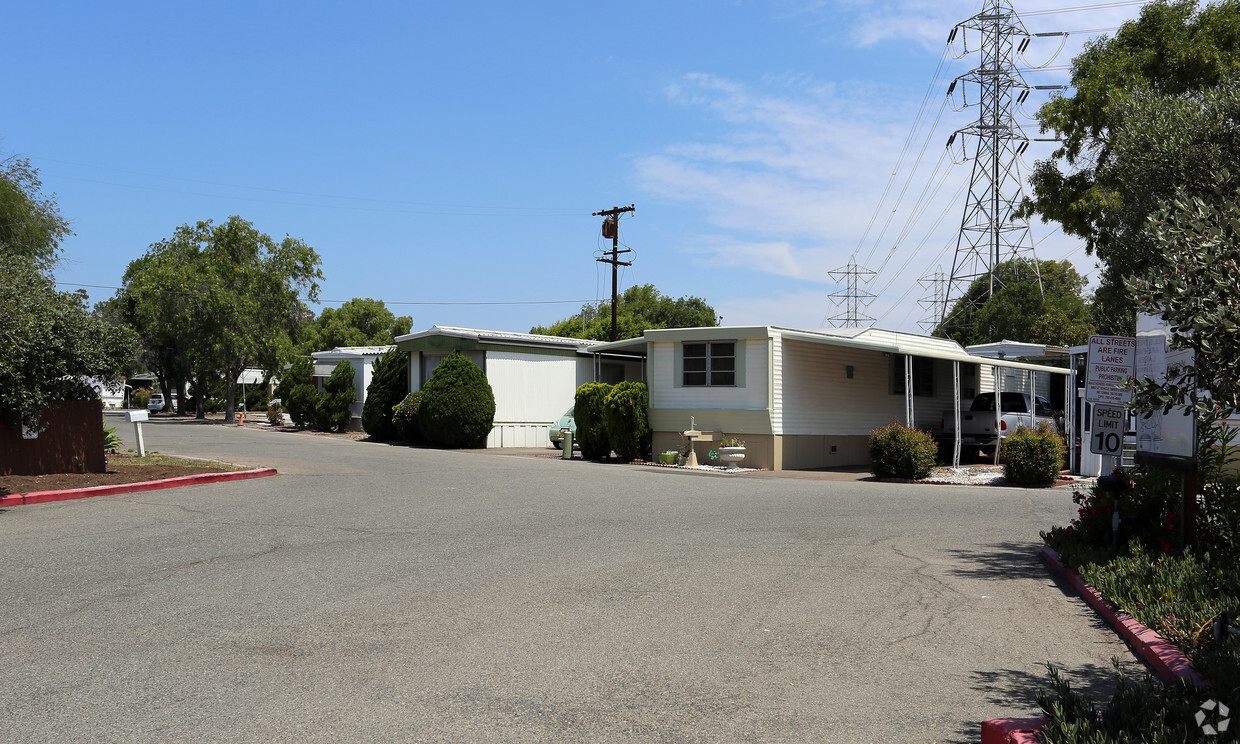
1012,730
41,497
1169,662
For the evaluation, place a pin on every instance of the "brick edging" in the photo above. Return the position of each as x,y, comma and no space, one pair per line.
41,497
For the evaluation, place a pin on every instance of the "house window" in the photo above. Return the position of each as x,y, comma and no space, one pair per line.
709,363
923,376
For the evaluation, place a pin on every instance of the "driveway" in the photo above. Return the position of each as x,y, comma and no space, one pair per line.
376,593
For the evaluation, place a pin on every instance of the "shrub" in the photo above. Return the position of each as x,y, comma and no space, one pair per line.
590,413
388,387
139,398
297,392
1033,457
624,412
899,451
111,442
275,415
458,406
405,418
332,411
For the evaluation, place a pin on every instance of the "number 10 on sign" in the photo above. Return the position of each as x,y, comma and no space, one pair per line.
1107,430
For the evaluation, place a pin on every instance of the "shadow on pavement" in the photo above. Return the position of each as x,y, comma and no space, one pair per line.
1005,560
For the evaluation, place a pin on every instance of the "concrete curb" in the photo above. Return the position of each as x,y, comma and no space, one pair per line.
1169,662
41,497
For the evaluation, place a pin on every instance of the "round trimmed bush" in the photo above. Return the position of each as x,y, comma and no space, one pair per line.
1031,457
590,414
458,405
625,413
899,451
389,384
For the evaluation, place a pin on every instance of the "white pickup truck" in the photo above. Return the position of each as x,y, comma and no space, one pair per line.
977,425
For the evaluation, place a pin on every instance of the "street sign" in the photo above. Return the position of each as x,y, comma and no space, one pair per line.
1106,430
1110,362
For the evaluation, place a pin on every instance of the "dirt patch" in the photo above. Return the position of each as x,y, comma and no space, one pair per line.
121,469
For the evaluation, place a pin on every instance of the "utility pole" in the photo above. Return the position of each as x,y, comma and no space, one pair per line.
611,229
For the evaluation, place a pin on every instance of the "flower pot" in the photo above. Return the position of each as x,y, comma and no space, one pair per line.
667,458
731,455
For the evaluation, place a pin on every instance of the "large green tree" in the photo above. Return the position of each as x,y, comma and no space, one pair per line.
1153,111
48,339
1050,311
235,292
638,309
358,322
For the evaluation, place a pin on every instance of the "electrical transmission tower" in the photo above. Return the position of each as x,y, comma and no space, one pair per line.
934,302
853,298
990,231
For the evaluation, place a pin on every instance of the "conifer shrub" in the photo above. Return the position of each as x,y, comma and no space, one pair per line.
590,414
405,419
389,384
899,451
624,412
139,398
1033,457
332,409
298,394
458,405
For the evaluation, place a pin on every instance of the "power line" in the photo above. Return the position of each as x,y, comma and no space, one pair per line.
1078,8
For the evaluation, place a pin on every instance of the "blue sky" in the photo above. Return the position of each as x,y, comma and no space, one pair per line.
453,152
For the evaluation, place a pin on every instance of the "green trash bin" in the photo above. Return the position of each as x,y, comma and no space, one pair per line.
566,447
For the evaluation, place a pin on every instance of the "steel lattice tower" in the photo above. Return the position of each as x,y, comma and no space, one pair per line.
990,232
853,298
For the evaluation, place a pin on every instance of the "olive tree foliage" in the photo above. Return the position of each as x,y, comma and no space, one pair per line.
48,339
638,309
1196,291
228,292
1043,306
1152,114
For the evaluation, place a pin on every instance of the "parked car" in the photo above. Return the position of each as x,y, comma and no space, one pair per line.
160,402
977,425
562,426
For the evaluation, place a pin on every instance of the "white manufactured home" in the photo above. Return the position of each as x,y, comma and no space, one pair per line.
810,398
362,359
534,378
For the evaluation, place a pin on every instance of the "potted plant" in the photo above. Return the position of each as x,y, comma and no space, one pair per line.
731,451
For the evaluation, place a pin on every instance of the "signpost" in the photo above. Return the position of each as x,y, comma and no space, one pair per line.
1107,430
1110,362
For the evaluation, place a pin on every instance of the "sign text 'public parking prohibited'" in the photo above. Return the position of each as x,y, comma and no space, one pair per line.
1110,362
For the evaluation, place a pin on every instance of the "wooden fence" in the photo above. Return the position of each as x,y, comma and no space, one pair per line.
71,442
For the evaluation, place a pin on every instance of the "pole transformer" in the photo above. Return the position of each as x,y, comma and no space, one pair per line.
611,229
990,231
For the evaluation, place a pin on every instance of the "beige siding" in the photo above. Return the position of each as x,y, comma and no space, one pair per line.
820,399
775,393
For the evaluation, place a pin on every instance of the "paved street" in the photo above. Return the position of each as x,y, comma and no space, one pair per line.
375,593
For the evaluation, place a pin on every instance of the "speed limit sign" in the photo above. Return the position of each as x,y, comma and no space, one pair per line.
1106,431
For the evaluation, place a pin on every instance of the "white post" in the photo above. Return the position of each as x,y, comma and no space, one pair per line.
137,417
956,411
998,373
908,390
1069,421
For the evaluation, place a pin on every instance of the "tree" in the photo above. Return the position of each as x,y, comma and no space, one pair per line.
332,411
1053,313
389,384
590,415
358,322
1144,121
1196,292
31,226
228,293
298,393
638,309
48,339
458,405
624,413
49,342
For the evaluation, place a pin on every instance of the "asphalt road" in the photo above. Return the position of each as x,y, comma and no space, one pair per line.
375,593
